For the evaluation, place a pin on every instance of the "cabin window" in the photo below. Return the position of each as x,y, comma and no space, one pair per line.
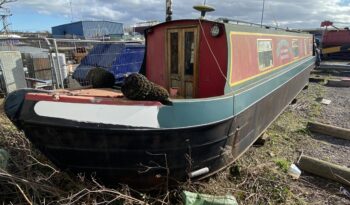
310,45
295,46
189,52
174,59
265,53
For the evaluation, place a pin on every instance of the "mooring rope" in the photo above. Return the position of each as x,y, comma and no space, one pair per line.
212,53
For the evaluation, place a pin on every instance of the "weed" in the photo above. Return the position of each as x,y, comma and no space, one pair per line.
283,164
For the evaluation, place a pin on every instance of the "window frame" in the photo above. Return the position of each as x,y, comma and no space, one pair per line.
310,45
258,52
297,46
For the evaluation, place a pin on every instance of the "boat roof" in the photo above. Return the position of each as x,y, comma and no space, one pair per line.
230,21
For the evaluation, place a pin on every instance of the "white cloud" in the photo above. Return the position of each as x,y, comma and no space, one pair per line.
295,14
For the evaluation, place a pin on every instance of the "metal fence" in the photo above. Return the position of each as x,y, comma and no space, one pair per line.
65,63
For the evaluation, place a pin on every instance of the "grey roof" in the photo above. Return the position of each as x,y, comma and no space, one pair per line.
79,22
24,49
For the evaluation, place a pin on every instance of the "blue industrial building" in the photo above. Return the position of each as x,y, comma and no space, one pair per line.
89,30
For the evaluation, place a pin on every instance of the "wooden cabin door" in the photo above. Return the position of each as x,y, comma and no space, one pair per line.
182,48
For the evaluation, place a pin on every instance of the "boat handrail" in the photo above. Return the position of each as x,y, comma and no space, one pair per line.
228,20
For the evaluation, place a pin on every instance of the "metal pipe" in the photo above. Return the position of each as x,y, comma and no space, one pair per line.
227,20
262,13
168,10
48,42
92,41
53,68
58,64
69,40
199,172
53,71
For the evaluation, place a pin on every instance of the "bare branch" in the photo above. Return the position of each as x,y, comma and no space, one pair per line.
22,192
54,171
100,189
2,2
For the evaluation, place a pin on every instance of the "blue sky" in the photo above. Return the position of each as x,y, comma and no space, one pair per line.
30,20
344,2
39,15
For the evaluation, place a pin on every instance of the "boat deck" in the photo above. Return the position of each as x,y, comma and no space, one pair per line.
94,96
102,92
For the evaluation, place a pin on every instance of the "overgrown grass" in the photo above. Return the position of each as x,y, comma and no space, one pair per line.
283,164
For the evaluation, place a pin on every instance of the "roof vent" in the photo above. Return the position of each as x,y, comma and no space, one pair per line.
204,9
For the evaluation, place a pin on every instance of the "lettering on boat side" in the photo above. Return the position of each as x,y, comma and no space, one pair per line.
284,50
135,115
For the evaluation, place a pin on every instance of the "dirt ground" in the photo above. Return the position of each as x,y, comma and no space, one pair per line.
259,176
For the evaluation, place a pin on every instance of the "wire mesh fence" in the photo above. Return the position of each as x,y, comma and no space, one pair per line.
68,63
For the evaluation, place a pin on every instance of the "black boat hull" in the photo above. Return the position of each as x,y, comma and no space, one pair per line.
150,157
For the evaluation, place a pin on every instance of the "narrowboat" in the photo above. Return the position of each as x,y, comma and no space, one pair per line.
229,81
334,42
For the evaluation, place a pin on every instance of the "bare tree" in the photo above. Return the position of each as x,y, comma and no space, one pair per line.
4,14
2,2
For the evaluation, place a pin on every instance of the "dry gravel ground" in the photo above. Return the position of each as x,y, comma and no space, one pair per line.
328,148
338,114
260,176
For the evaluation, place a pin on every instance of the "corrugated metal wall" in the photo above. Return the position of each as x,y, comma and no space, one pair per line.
88,29
94,29
68,29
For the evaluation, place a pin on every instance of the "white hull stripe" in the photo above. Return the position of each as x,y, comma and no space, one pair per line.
129,115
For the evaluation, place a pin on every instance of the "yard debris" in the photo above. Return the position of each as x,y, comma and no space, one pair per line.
331,65
343,82
294,171
325,169
345,192
325,101
330,130
190,198
235,171
261,140
272,154
199,172
317,79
